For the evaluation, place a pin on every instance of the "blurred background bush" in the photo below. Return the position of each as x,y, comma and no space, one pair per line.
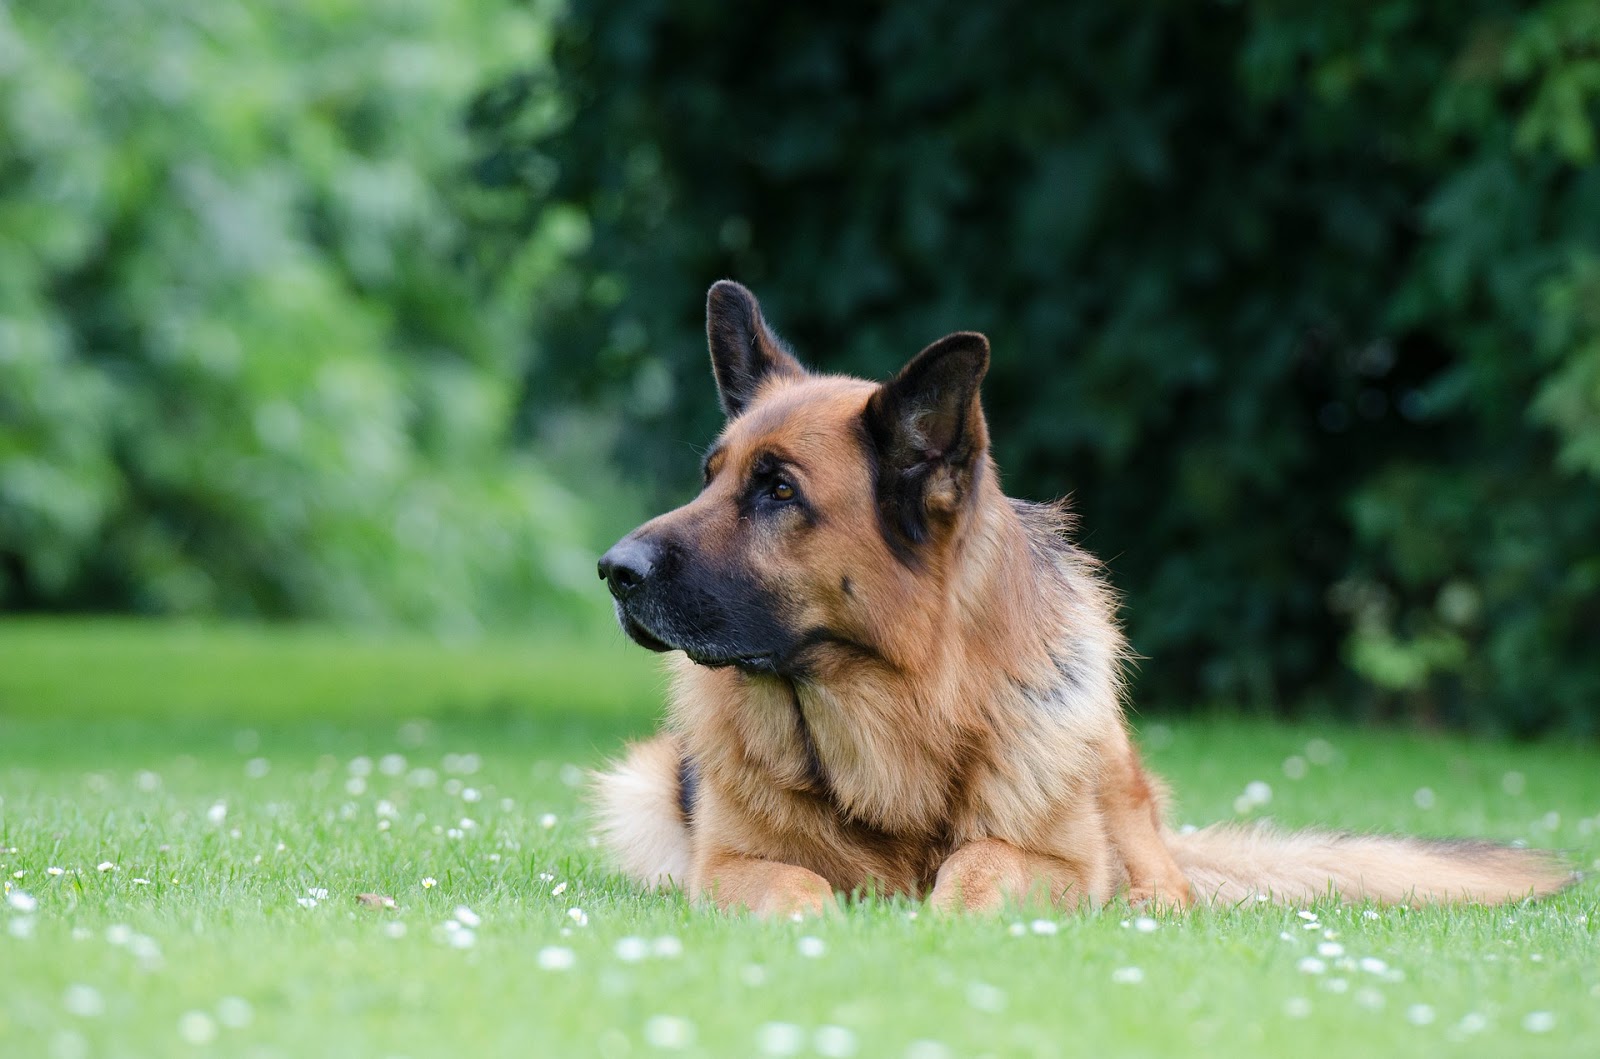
263,338
344,310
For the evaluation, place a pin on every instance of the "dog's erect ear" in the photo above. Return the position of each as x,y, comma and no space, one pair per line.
928,429
744,351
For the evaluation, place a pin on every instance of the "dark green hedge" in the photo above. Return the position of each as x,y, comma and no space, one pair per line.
1302,306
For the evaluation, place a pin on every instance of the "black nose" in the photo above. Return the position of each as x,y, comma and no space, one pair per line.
626,566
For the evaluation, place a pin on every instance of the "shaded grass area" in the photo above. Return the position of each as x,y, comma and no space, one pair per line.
127,670
225,778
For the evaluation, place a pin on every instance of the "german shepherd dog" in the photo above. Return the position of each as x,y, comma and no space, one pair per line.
889,677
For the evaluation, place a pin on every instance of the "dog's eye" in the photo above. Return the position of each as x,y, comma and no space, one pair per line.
781,491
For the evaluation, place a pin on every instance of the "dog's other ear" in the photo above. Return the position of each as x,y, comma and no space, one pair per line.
928,429
744,350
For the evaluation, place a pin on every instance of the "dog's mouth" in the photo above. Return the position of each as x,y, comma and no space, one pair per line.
644,637
747,663
640,635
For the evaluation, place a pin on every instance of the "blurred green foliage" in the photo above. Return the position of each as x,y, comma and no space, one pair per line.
262,332
1302,303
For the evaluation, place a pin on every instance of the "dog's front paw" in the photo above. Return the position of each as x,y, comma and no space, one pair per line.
794,892
1159,896
980,877
767,888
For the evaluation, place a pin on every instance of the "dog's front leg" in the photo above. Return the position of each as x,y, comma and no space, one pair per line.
1132,802
766,887
983,874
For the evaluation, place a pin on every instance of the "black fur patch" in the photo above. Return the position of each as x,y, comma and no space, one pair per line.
715,612
816,777
901,492
1057,695
818,636
744,350
688,787
926,419
894,508
1071,670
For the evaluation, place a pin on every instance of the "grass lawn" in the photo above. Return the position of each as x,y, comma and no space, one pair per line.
187,816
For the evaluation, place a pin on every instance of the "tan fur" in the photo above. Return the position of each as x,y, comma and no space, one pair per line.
964,736
636,808
1229,863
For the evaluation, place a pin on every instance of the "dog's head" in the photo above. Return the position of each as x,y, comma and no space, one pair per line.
826,500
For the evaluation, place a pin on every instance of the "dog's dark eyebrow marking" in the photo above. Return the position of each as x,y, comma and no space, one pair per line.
767,461
771,460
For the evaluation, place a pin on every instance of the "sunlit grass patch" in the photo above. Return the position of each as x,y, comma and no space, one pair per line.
341,879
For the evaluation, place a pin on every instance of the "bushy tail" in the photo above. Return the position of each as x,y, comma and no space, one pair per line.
1229,863
638,816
